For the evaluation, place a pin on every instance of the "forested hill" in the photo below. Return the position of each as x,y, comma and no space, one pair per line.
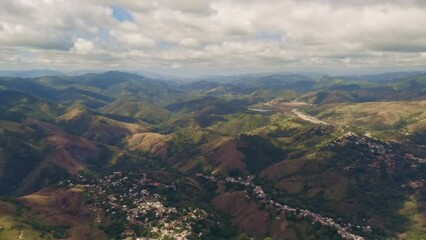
284,156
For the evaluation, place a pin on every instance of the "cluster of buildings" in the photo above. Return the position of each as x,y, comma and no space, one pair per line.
413,158
130,198
285,210
374,155
375,146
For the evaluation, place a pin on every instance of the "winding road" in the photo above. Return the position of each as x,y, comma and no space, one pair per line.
285,107
307,117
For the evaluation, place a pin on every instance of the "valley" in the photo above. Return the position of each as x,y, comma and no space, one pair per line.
212,120
116,155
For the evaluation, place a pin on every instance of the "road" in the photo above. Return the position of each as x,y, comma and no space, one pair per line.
307,117
284,107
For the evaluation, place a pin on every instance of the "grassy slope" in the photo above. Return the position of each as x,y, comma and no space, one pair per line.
307,172
388,120
411,209
49,214
143,110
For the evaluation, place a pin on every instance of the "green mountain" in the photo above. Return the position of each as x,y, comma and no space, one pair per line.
264,156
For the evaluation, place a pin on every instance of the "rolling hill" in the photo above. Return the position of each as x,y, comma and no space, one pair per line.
116,155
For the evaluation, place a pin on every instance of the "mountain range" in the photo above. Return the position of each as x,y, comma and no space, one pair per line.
117,155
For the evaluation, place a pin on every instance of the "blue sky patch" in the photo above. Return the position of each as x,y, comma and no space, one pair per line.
164,45
269,36
121,14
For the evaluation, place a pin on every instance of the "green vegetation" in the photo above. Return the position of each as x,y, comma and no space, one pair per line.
15,223
410,209
142,110
240,123
363,165
259,152
48,231
21,158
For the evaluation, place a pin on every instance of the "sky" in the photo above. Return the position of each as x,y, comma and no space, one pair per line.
196,37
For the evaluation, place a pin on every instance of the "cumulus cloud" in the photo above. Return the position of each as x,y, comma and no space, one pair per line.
200,7
213,35
82,46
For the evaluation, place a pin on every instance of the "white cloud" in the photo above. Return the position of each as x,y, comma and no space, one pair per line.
220,34
189,42
200,7
130,39
82,46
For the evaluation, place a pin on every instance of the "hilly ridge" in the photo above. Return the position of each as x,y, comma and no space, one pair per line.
193,148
